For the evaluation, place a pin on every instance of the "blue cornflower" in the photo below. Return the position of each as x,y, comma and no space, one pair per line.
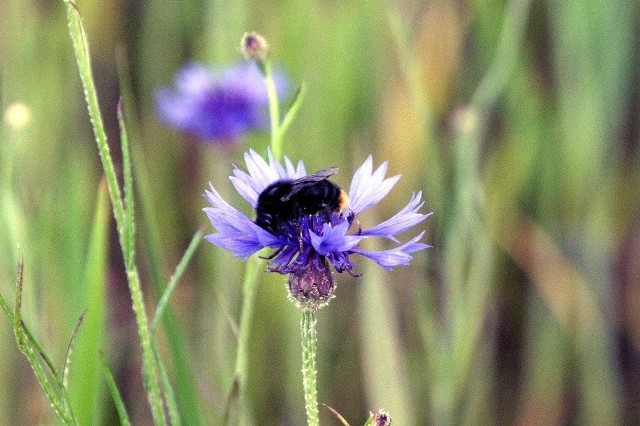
218,105
306,246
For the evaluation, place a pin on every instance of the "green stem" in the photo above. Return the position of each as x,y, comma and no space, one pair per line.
242,355
236,394
150,367
248,296
506,57
274,110
309,370
292,112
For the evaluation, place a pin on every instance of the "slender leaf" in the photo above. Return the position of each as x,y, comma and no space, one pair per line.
172,407
18,304
175,278
85,384
54,391
293,110
8,311
72,341
128,189
115,393
338,415
150,367
237,394
186,385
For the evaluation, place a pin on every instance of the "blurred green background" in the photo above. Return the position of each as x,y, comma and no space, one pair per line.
519,120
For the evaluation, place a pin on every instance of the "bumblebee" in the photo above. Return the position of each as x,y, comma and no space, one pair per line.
288,200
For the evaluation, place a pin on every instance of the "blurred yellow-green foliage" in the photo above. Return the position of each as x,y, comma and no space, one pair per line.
520,121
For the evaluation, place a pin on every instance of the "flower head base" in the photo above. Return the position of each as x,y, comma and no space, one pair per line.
308,244
311,285
217,105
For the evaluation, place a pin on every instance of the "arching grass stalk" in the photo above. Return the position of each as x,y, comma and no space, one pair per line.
122,211
469,259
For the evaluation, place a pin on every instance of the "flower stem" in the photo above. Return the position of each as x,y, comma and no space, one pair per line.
237,395
274,109
309,370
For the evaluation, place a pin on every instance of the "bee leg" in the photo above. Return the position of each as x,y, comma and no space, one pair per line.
272,255
353,274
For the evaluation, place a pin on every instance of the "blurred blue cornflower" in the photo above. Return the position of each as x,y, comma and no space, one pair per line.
218,105
305,246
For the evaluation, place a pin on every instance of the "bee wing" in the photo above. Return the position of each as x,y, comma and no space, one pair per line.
305,181
318,176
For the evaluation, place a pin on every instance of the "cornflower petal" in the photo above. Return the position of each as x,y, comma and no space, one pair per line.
396,256
234,225
245,187
242,247
369,188
334,239
401,221
259,170
261,174
275,165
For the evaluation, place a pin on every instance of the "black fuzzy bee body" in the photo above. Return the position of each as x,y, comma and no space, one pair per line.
288,200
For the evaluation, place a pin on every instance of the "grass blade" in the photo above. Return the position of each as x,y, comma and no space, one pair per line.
115,393
8,311
81,50
292,112
172,407
175,278
72,341
128,189
185,384
86,384
18,305
237,394
26,343
338,415
150,367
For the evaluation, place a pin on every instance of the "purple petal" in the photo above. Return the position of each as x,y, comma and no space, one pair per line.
261,174
334,239
396,256
401,221
242,247
233,225
194,79
369,187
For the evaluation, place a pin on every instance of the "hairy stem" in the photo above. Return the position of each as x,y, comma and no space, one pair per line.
309,370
